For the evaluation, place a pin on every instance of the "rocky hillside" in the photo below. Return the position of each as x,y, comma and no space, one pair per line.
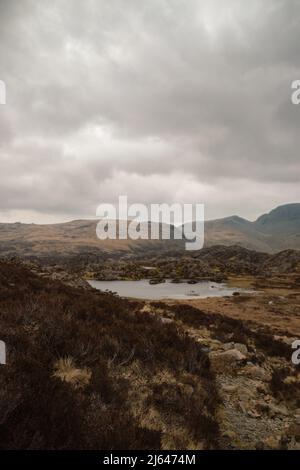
215,263
235,260
88,370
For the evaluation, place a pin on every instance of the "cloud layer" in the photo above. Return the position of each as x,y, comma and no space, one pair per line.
162,100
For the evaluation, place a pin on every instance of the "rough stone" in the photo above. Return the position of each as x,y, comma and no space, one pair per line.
226,360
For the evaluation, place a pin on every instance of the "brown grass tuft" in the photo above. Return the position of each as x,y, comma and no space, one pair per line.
66,371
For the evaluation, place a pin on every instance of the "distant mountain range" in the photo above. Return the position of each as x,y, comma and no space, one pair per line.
278,230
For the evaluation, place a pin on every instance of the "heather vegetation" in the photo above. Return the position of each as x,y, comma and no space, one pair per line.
88,370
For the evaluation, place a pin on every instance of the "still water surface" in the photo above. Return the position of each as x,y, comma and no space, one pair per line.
167,290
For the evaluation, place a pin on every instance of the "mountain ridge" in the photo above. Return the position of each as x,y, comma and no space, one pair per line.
273,232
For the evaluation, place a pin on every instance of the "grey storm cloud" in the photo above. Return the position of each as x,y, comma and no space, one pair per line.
162,100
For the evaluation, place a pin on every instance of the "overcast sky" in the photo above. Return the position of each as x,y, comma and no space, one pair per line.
162,100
